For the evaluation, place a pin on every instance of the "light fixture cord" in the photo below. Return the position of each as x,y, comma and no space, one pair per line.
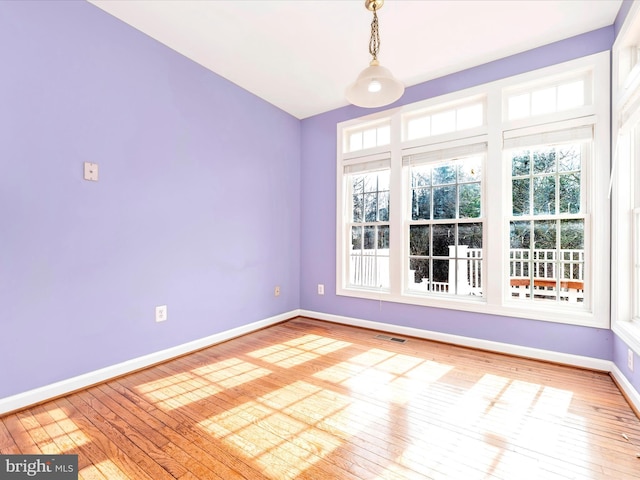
374,42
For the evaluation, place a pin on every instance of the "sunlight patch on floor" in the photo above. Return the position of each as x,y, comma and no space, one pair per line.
298,351
180,389
271,438
177,390
231,373
71,435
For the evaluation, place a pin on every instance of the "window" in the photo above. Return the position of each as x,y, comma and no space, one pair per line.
555,95
439,121
625,192
445,225
369,253
366,137
547,223
490,200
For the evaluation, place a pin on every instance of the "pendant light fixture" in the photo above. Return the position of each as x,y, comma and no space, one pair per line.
375,86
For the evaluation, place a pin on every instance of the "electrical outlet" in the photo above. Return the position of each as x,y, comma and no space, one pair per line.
320,289
276,291
161,313
630,359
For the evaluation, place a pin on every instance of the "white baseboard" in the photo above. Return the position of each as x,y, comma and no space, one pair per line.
538,354
630,392
41,394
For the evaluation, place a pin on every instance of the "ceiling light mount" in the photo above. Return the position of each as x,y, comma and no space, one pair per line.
375,86
373,4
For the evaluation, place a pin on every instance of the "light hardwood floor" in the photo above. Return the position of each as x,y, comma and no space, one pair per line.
314,400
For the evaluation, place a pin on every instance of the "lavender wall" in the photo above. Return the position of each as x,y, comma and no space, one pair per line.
197,206
318,231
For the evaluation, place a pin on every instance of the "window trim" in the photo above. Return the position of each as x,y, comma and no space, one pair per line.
495,178
625,178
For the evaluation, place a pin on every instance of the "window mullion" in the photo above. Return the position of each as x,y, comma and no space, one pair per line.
496,197
397,238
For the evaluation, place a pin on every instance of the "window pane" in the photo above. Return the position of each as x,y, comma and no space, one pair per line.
355,141
544,195
358,203
518,106
369,139
383,180
383,206
370,207
444,174
520,196
572,234
369,238
544,161
370,182
356,239
569,158
383,238
418,127
544,232
470,234
470,169
444,202
444,122
384,135
419,240
420,176
520,235
419,274
571,95
543,101
520,163
421,204
570,193
443,238
469,200
469,117
358,184
440,280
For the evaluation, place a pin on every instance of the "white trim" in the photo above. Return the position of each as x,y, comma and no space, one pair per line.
63,387
499,347
623,383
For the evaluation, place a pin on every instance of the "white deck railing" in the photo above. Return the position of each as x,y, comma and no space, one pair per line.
465,273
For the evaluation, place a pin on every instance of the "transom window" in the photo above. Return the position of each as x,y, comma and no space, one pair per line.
367,137
561,96
439,121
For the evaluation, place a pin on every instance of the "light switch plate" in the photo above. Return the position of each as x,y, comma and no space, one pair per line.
91,171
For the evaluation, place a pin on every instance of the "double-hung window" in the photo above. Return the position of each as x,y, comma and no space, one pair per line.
547,218
492,199
368,187
444,226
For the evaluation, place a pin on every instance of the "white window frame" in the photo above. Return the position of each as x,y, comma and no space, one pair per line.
496,190
625,181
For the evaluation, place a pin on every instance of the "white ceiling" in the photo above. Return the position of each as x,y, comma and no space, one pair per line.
300,55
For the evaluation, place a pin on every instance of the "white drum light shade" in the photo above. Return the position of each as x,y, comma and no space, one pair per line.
374,87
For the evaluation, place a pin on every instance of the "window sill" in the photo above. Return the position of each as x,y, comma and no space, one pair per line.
629,333
531,311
